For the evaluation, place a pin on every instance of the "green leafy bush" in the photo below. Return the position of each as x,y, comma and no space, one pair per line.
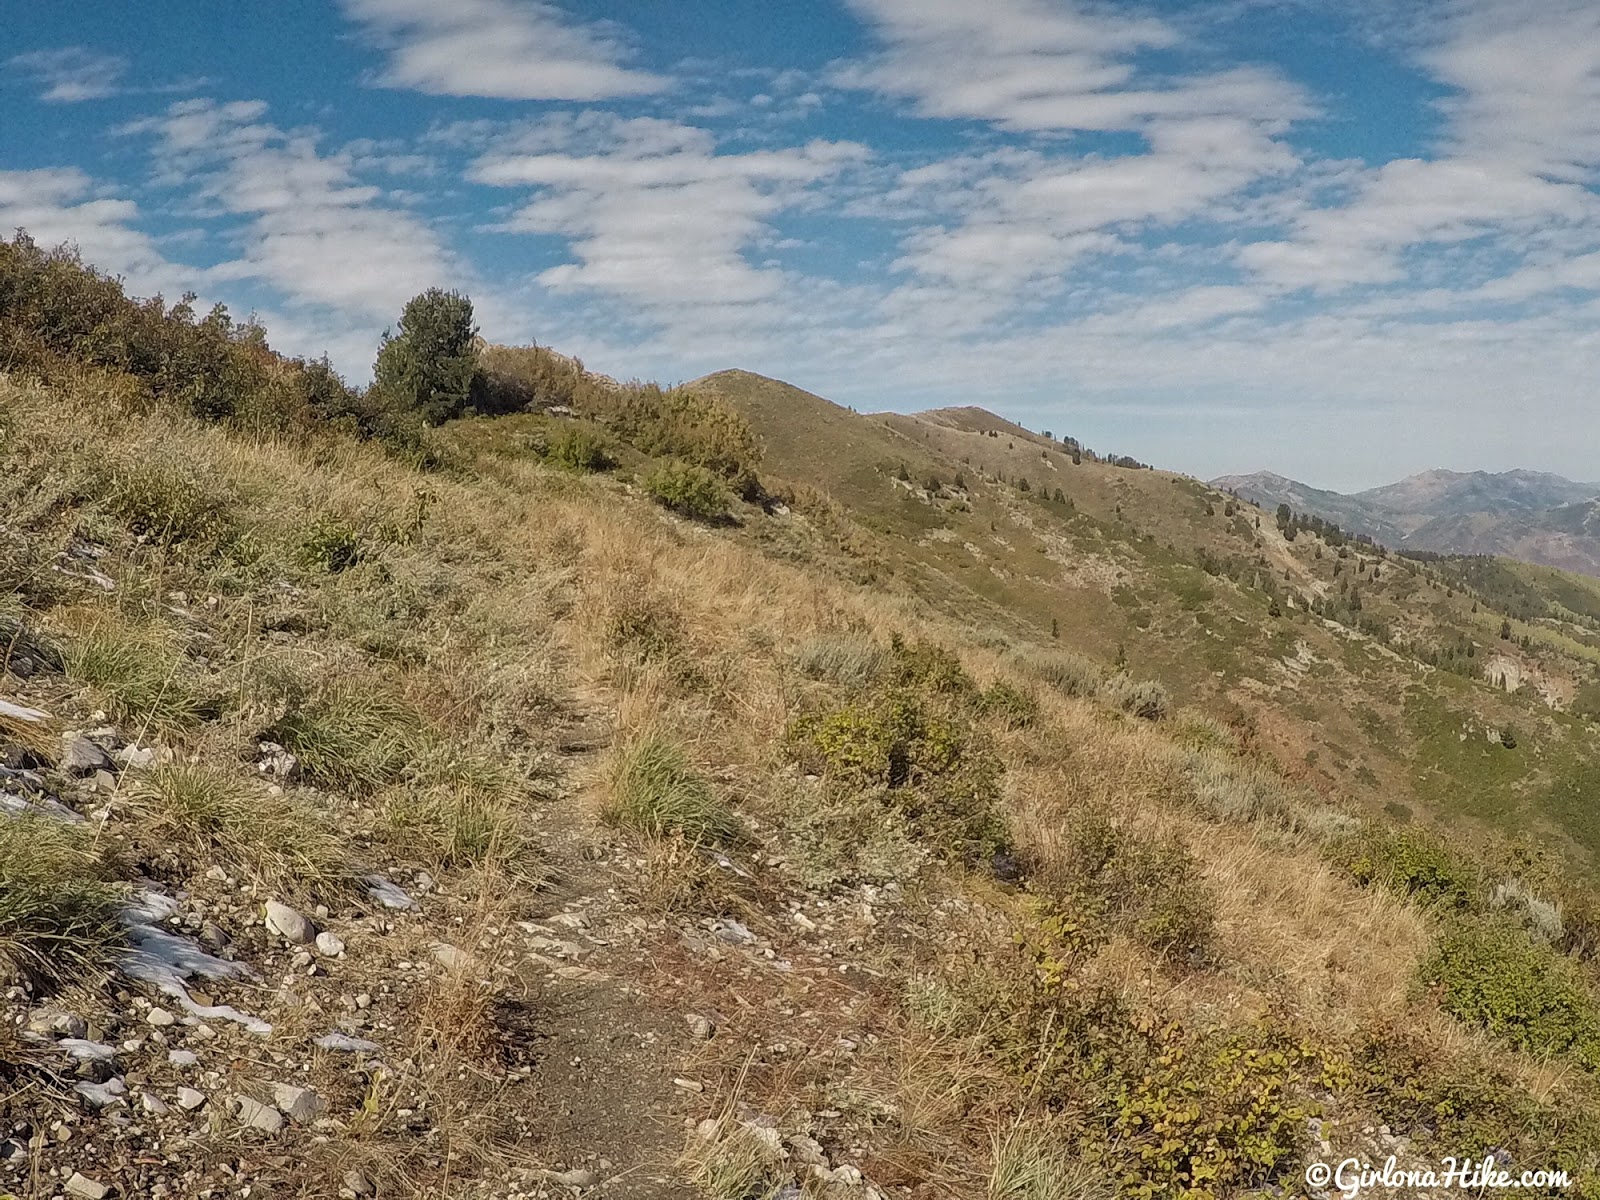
579,450
1149,888
1008,704
924,760
166,500
1409,861
688,490
1490,973
331,545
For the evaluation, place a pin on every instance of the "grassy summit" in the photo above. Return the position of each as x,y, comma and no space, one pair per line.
785,796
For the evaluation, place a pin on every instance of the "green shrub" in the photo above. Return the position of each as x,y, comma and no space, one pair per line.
331,545
1146,887
1471,1106
928,667
1012,707
169,501
839,837
654,791
1490,973
1218,1113
461,811
924,761
682,423
688,490
1409,861
580,450
58,910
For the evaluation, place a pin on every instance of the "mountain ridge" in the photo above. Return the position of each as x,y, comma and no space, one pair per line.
1536,516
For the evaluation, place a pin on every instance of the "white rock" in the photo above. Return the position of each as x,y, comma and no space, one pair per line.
85,1188
701,1027
152,1103
183,1058
300,1105
160,1016
289,924
453,958
190,1099
329,945
257,1115
358,1184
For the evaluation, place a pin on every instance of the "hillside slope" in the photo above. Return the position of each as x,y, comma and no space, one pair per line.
536,805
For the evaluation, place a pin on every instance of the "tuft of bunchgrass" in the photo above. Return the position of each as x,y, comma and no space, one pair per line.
460,812
1070,674
210,813
847,659
137,674
654,791
737,1162
58,911
353,735
1031,1165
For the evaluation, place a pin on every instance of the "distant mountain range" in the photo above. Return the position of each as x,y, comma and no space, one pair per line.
1530,515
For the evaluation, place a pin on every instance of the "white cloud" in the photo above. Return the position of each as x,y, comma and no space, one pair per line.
307,226
503,49
1028,65
1522,141
654,214
63,205
72,73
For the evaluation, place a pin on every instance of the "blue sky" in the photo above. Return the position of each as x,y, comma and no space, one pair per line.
1345,242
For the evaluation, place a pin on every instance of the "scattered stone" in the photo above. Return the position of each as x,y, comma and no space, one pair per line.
289,924
453,958
160,1017
257,1115
137,756
689,1085
733,931
578,1177
69,1025
702,1028
183,1058
329,945
299,1104
388,894
13,1151
153,1104
358,1184
81,757
105,781
301,960
277,762
189,1099
84,1050
101,1095
85,1188
344,1042
212,936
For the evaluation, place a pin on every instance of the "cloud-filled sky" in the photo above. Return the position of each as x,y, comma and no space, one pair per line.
1341,241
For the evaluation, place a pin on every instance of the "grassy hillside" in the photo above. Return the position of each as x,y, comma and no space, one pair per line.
769,811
